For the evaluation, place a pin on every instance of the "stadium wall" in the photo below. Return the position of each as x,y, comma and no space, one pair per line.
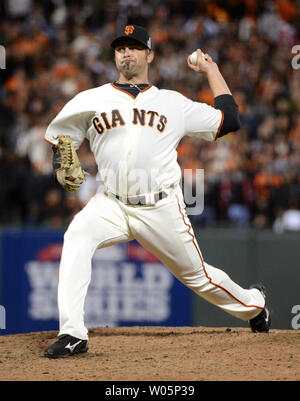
252,256
130,287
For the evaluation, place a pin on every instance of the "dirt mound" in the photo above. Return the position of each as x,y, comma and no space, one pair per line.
157,354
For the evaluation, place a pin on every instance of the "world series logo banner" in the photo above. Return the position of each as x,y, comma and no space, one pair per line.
129,286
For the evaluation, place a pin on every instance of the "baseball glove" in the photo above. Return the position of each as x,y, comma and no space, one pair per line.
69,173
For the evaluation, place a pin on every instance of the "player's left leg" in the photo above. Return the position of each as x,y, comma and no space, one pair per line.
165,230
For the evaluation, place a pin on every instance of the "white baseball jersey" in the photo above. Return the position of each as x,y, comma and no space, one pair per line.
134,139
131,136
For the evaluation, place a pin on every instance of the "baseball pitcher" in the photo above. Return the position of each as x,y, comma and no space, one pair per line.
133,129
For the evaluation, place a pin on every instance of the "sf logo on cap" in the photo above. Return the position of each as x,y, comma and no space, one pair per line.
129,30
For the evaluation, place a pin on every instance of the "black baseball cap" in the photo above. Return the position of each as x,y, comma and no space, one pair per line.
135,32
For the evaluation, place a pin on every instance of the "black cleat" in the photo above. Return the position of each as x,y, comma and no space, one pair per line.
261,323
66,345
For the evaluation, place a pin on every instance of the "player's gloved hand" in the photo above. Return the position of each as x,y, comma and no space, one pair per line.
70,174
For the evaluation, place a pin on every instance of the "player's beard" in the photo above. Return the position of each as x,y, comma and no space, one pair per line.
129,68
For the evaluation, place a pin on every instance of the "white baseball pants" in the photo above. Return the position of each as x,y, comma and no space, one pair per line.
165,230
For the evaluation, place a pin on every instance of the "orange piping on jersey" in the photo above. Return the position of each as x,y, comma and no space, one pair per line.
122,90
129,94
220,126
203,265
148,87
51,143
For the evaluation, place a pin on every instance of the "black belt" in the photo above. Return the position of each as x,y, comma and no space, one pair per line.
140,199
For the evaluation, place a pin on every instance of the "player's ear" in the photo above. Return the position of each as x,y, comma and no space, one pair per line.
150,56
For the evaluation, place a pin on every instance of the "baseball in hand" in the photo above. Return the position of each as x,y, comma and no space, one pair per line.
194,57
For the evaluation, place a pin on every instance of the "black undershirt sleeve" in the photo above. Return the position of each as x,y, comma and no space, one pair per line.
231,121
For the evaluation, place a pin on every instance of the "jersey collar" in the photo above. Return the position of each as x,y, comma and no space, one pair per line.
129,94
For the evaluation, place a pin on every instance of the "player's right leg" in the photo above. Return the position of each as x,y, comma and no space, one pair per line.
100,223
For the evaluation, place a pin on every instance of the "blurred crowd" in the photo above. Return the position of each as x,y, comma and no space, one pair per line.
56,48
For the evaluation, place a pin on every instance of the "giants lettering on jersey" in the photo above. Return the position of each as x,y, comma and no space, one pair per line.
107,121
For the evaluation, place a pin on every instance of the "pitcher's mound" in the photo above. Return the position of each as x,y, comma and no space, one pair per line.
157,354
